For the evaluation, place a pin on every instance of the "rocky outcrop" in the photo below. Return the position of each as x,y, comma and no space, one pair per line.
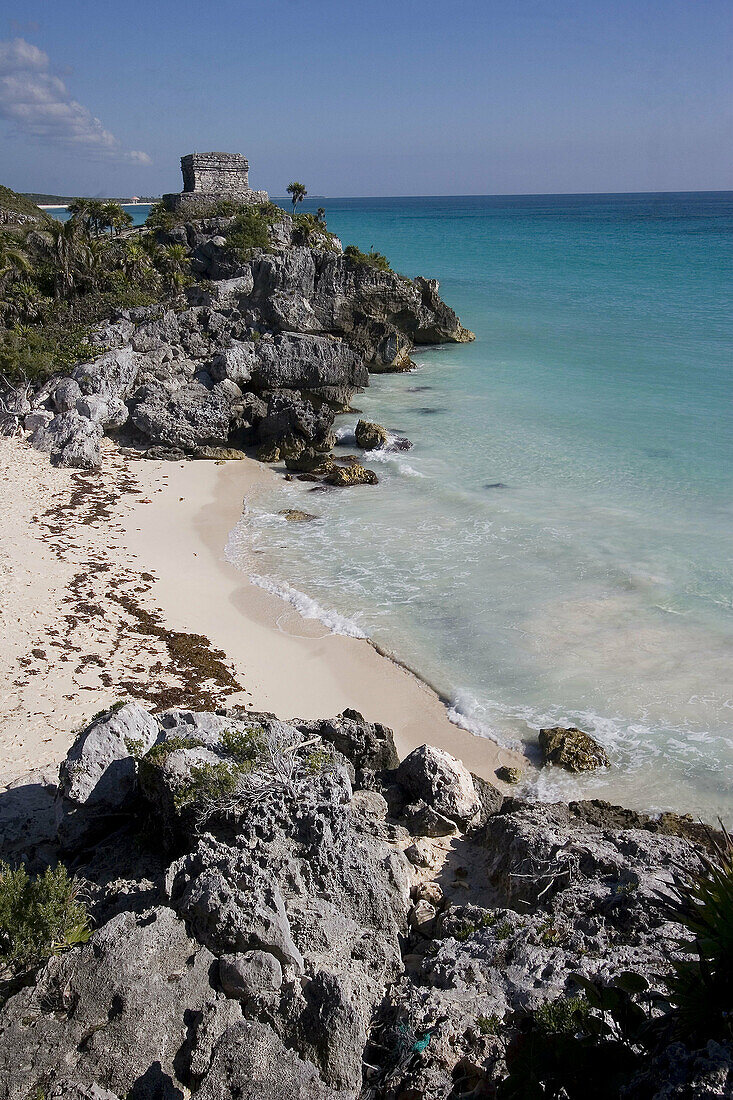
433,779
272,917
119,1012
98,776
265,348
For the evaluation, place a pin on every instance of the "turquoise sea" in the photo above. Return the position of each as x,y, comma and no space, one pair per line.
557,547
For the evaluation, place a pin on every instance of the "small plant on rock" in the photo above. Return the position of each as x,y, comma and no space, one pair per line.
366,259
39,917
700,989
489,1025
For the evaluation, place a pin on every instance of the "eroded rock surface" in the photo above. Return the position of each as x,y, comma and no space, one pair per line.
265,349
286,910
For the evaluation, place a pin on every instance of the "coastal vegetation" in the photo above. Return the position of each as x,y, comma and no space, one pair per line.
39,916
58,280
297,193
366,259
13,203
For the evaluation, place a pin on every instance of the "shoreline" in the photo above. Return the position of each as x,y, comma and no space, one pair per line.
341,671
77,556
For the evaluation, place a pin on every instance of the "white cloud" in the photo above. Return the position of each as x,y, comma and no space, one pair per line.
40,105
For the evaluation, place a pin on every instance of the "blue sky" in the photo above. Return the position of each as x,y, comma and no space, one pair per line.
387,97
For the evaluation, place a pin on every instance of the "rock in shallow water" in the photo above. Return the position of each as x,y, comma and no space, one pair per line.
571,749
344,476
370,436
296,515
509,775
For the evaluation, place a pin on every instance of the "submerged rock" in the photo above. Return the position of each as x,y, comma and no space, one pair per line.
296,515
571,749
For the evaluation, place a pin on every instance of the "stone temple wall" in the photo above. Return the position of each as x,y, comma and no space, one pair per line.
216,173
210,177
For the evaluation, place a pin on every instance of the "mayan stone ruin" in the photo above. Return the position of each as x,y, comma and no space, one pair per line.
211,177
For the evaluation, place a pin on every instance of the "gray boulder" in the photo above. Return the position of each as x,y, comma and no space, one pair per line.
303,362
115,1012
70,440
436,778
98,776
111,377
39,418
224,294
250,1062
66,395
192,416
368,746
293,413
313,884
161,331
247,976
27,818
93,407
236,363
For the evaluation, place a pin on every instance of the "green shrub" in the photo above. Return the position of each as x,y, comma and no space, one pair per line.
317,761
158,753
307,229
37,352
488,1025
39,917
700,989
208,783
160,218
366,259
249,232
19,204
244,746
564,1016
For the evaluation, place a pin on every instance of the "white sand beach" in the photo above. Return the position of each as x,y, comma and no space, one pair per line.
115,584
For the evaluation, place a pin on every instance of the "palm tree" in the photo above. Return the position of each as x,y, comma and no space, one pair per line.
13,259
80,210
173,262
23,303
115,218
297,193
72,253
